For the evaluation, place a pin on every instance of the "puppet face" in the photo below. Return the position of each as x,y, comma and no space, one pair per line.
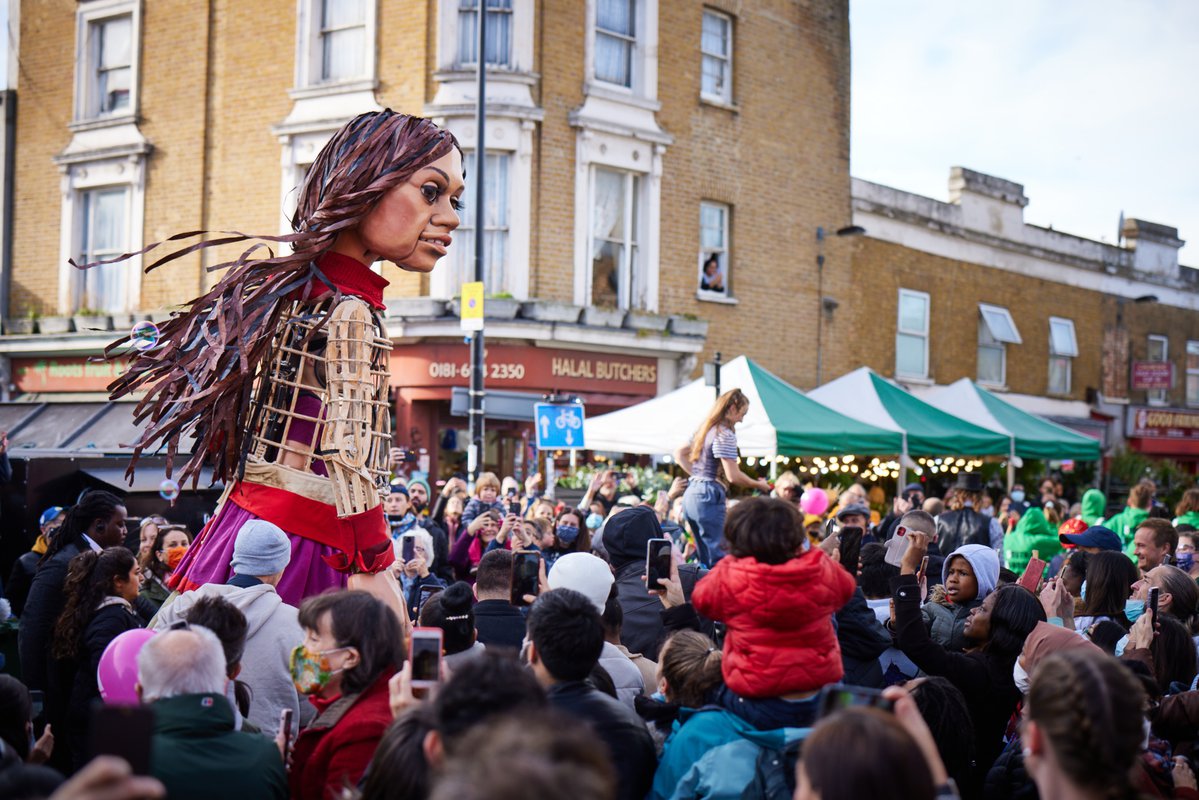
411,225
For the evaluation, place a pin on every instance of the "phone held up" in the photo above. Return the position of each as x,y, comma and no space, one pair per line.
851,547
657,564
124,731
1152,603
837,696
407,547
425,656
285,721
526,576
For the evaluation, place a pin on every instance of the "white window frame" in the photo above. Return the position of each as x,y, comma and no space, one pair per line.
464,255
1158,397
643,77
87,15
1063,356
511,12
992,314
725,97
986,341
520,49
310,55
1192,399
725,251
631,281
914,333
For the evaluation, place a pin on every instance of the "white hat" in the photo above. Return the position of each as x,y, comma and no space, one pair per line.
586,574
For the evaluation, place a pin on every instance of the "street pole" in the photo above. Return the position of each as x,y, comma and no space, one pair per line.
717,361
475,454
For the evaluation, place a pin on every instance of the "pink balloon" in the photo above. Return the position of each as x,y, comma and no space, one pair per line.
813,501
117,674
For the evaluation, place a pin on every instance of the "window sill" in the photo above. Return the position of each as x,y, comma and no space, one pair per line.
711,297
460,73
716,102
995,387
915,380
97,123
333,88
620,94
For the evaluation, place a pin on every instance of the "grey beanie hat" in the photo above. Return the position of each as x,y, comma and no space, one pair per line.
262,548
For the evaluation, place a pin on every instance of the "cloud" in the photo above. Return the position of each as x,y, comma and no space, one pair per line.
1091,104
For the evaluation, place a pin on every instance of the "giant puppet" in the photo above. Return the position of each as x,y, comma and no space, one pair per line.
280,372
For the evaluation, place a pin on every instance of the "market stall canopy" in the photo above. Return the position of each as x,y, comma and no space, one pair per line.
1034,437
872,399
781,420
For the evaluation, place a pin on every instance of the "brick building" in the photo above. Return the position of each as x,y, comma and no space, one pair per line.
632,146
1066,327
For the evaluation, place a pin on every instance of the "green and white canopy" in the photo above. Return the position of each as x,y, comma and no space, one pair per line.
926,430
782,421
1032,436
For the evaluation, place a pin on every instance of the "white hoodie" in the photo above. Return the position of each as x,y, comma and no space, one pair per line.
273,632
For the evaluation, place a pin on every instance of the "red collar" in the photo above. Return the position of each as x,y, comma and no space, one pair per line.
351,277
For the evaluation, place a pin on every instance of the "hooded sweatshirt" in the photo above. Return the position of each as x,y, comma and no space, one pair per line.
1094,504
1125,524
947,621
272,634
1033,532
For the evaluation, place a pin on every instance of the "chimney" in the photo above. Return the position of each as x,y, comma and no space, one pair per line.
989,204
1155,246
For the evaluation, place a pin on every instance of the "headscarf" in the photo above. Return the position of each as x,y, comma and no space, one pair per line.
1047,639
1094,504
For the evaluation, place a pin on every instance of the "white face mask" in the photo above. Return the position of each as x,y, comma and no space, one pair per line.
1020,678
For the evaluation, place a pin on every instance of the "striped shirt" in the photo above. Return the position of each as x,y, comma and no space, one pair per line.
720,442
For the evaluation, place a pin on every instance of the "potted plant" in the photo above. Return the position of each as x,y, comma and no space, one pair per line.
688,325
643,320
87,319
604,317
550,311
53,325
25,324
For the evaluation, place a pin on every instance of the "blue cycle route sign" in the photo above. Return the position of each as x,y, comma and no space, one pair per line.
559,426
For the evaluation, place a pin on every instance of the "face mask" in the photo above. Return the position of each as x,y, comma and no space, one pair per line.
989,511
175,555
594,520
567,534
310,671
1018,496
1082,593
1133,609
1186,561
1020,678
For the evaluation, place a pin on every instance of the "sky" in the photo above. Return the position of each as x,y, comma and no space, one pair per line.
1092,105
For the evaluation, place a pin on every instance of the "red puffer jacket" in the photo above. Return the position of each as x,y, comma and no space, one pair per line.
780,635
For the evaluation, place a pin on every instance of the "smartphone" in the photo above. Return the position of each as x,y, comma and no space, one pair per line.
407,547
526,575
1152,603
1031,579
124,731
425,593
924,566
838,696
851,547
285,717
425,654
657,563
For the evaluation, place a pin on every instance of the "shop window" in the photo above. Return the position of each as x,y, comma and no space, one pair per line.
499,32
1158,350
1192,398
716,46
495,226
996,330
714,264
1063,349
911,334
617,276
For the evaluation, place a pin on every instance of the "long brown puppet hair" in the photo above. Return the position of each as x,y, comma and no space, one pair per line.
200,376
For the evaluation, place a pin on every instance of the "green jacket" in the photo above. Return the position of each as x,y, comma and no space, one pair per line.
1190,518
1094,505
1033,532
197,754
1125,525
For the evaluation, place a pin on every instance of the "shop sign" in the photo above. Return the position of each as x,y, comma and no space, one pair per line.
1162,423
66,374
511,366
1152,375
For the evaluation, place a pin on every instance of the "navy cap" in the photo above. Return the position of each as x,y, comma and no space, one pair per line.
1094,536
914,487
854,508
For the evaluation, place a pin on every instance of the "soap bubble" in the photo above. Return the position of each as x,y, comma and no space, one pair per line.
168,490
144,335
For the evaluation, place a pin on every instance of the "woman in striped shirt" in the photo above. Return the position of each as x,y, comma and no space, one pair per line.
712,450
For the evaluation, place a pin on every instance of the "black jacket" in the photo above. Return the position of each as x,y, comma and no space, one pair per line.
17,588
42,607
967,526
862,639
499,624
643,631
628,740
107,624
1008,779
984,679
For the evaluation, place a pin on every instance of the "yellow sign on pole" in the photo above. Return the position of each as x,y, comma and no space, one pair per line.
471,313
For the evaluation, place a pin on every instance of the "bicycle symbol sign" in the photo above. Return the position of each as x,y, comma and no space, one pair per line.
559,427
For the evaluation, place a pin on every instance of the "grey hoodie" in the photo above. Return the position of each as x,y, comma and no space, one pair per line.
272,634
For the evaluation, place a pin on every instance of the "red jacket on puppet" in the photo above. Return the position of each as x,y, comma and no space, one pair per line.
334,751
780,635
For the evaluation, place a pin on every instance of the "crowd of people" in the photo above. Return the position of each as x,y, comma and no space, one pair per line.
972,645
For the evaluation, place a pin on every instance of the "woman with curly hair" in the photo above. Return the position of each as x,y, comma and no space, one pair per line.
159,561
100,590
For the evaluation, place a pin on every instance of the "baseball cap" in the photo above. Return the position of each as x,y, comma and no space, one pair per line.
1094,536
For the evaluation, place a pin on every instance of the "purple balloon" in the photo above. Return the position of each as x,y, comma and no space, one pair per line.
117,674
814,501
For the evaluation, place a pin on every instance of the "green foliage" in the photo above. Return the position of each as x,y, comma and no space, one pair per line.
647,477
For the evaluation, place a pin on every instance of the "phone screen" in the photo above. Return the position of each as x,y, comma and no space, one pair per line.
124,731
407,547
526,578
838,696
285,718
426,656
657,563
425,593
851,547
1152,603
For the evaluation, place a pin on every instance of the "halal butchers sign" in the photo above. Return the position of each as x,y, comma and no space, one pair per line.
1162,423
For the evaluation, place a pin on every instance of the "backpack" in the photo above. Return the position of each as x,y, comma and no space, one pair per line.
774,773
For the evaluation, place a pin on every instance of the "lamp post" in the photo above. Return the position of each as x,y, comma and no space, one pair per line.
712,374
827,304
474,461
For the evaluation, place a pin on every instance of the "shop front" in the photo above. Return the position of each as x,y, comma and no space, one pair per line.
1164,433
